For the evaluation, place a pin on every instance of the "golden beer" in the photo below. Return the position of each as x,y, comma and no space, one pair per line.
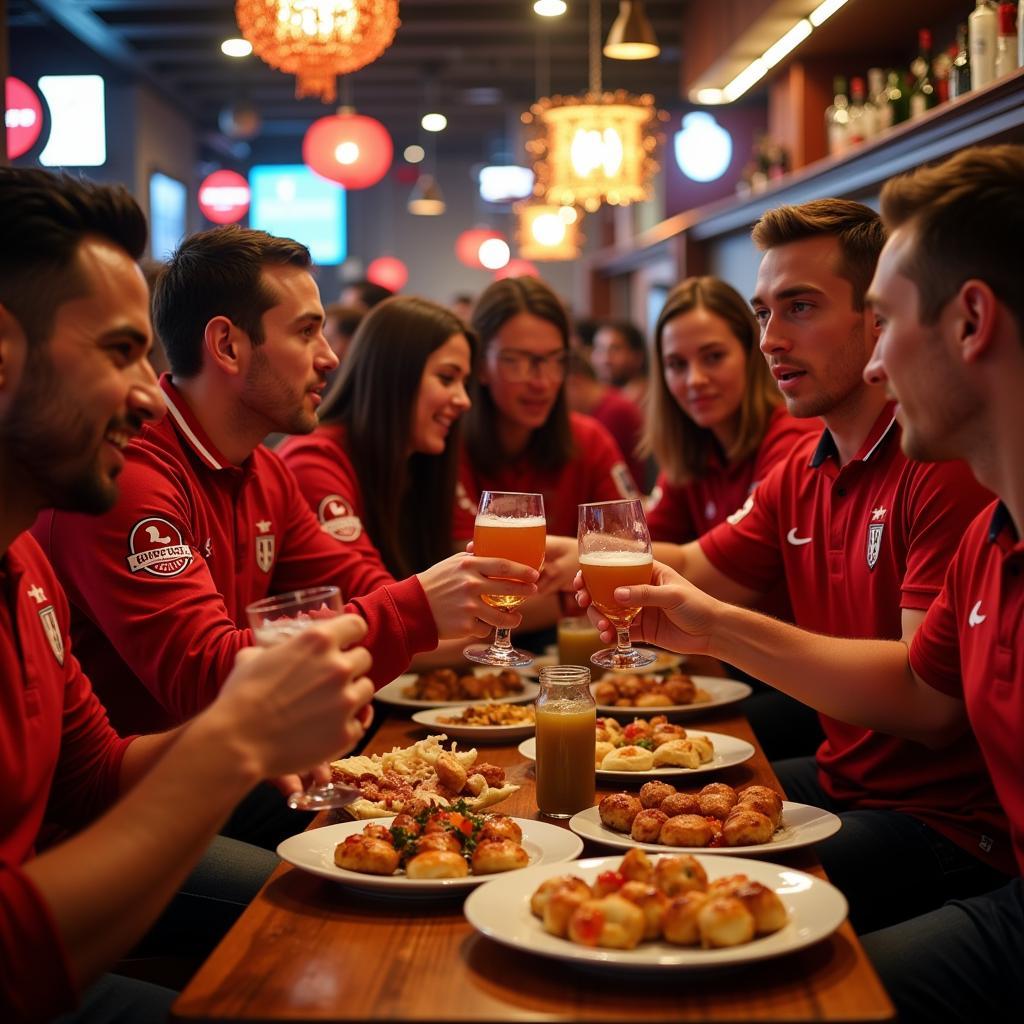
604,571
517,539
578,639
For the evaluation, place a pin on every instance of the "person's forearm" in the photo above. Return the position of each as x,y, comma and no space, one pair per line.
864,682
143,753
107,885
672,555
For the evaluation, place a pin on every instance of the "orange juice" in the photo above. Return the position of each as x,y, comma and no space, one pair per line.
517,539
565,758
578,639
604,571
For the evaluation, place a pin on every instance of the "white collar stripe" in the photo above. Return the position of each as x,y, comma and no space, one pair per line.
871,450
183,426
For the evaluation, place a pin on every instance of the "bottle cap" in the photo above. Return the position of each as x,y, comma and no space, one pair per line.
1008,19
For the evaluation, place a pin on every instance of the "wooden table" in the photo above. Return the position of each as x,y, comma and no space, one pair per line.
310,950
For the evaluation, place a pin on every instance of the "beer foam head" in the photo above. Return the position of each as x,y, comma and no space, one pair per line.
616,558
515,522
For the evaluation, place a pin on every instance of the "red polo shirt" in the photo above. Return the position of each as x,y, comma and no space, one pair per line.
971,646
159,584
59,760
596,472
856,545
682,512
328,481
624,421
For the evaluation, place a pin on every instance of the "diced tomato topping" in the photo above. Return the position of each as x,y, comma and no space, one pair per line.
588,926
611,881
634,731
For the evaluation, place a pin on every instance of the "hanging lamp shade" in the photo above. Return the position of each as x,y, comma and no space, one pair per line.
546,231
317,40
389,272
516,268
594,149
631,36
351,149
467,245
426,199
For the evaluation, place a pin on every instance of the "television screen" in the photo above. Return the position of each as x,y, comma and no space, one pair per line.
167,199
292,201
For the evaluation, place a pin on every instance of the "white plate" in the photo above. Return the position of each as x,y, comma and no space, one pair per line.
721,691
393,693
501,910
801,825
664,661
313,851
728,751
476,733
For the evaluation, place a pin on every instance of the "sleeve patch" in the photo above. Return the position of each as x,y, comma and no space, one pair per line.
337,518
155,547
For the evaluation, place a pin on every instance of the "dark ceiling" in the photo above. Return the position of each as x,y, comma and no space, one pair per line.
485,58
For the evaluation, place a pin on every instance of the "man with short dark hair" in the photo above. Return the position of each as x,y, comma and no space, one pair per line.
134,814
619,357
363,295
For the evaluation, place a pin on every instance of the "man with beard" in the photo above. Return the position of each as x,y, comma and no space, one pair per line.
133,815
209,520
862,538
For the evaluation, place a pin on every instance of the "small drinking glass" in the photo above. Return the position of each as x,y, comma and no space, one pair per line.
508,525
615,551
274,620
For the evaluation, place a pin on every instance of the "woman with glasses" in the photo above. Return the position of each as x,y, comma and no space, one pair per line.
519,433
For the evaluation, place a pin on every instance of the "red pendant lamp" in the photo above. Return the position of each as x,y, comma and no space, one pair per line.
352,149
389,272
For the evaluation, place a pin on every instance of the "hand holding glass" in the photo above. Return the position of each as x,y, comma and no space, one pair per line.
615,551
274,620
510,526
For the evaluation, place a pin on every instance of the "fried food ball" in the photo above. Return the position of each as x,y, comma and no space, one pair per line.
611,922
608,882
500,826
608,730
652,903
472,687
547,888
718,788
451,773
408,823
493,855
665,733
617,811
628,759
680,873
647,825
680,803
366,855
560,907
746,828
687,830
602,748
437,864
724,921
764,904
636,866
630,687
678,754
717,800
653,700
375,831
436,841
638,729
606,693
680,688
653,793
763,799
679,923
726,885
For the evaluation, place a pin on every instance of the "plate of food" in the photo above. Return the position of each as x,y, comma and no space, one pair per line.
412,778
716,820
641,913
448,686
437,851
664,661
697,753
672,693
481,723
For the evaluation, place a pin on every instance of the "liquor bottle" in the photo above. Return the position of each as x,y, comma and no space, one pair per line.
837,119
861,124
942,66
899,104
1006,41
981,30
960,73
878,94
922,93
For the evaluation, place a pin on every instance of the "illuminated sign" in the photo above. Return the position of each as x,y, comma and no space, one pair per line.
78,133
23,116
290,200
505,183
167,199
224,197
703,147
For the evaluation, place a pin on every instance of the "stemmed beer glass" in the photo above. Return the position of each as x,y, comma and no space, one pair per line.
508,525
615,551
274,620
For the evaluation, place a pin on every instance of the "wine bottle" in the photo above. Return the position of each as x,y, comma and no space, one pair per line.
899,103
960,73
878,94
981,29
861,126
837,119
1006,42
922,92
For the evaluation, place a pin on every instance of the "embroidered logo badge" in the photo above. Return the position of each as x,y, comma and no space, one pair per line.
796,540
155,547
51,627
875,530
264,546
976,618
337,518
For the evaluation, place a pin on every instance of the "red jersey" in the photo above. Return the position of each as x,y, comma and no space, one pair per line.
624,421
856,545
596,472
682,512
159,585
970,647
328,481
59,759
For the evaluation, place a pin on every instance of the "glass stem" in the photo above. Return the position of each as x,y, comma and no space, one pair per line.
502,638
623,644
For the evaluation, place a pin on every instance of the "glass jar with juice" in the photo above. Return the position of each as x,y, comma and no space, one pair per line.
566,722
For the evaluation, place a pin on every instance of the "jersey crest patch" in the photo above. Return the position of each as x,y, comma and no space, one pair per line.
51,628
155,547
265,544
338,519
876,527
624,480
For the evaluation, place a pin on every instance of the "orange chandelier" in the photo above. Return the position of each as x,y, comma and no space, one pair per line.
317,40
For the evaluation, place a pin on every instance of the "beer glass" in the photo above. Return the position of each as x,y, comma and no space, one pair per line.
275,619
508,525
615,551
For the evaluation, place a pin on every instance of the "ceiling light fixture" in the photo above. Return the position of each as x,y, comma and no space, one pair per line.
236,47
631,36
349,148
426,199
547,232
414,154
494,253
550,8
434,122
